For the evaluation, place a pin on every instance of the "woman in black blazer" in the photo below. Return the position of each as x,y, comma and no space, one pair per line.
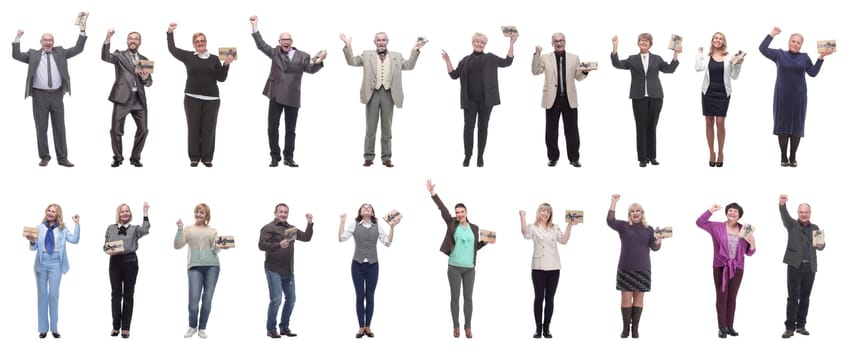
478,81
646,92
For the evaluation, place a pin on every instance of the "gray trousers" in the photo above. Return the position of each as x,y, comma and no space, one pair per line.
379,108
464,275
119,116
49,105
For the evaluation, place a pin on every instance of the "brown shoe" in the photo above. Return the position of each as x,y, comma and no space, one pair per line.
287,332
468,333
273,334
456,332
368,162
388,163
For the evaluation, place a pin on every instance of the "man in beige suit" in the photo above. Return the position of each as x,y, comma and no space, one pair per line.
381,90
561,69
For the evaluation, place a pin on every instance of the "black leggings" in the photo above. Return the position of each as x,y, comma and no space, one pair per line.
544,285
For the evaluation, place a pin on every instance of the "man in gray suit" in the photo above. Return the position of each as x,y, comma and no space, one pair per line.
128,96
559,97
283,89
47,82
381,90
801,265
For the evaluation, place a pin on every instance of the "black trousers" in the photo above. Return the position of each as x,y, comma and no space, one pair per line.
479,113
123,270
646,111
119,116
569,125
274,111
49,104
202,120
544,287
799,282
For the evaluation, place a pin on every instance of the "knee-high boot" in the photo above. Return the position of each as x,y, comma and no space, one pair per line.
626,315
636,315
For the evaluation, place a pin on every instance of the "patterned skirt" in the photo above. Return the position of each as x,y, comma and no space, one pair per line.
633,281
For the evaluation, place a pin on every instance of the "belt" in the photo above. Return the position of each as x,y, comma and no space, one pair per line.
805,261
46,90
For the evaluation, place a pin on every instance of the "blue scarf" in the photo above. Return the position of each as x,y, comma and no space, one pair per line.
49,240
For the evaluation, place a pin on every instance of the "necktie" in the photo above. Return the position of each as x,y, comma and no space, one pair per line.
286,57
122,230
49,240
560,70
49,77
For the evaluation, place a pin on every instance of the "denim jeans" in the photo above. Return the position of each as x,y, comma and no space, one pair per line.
201,281
364,277
279,284
47,281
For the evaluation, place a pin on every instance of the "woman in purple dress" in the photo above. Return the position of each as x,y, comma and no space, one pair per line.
634,263
790,91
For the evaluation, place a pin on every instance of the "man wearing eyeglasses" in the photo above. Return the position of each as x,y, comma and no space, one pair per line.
283,89
47,82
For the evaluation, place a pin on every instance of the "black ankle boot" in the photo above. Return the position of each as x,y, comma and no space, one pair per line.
546,331
722,333
626,315
538,333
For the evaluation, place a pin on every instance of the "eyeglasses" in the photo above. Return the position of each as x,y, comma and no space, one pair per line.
281,40
559,41
198,41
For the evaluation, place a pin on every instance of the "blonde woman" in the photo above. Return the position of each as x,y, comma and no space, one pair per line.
51,262
123,265
546,264
634,264
719,68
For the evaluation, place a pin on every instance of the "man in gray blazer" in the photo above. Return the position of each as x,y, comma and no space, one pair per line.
283,89
381,90
128,96
47,82
800,260
559,97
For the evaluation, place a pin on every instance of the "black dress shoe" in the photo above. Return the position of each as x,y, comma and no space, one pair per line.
802,331
643,164
66,163
732,332
538,334
136,163
274,163
547,334
207,164
42,335
719,164
369,334
360,334
273,334
575,164
43,162
479,162
57,335
466,161
712,164
793,164
654,162
787,334
287,332
388,163
552,163
194,163
116,163
290,163
722,333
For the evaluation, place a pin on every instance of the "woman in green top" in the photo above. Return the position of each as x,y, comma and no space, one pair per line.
462,240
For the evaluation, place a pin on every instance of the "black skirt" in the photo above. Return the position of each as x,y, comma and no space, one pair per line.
633,281
714,104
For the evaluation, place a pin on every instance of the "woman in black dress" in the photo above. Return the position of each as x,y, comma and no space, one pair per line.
720,68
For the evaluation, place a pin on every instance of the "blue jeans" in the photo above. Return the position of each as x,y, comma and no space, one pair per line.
201,279
364,282
47,282
278,285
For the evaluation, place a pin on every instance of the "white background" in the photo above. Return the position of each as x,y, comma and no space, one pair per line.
412,296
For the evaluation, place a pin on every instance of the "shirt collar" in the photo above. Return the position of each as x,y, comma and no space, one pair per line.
204,55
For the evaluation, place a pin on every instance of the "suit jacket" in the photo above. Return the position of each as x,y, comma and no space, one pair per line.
370,61
797,241
448,243
283,84
63,235
60,56
491,94
638,76
125,75
731,71
547,64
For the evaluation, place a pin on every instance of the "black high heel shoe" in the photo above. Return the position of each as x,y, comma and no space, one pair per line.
712,160
115,332
720,161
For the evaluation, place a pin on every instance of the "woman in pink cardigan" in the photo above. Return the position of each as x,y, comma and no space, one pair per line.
730,245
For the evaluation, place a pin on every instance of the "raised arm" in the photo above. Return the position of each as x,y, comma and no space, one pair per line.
509,55
814,68
74,237
669,67
344,234
764,45
704,220
16,48
144,229
614,56
105,55
180,239
179,54
611,221
413,58
451,71
524,229
78,47
567,234
351,60
431,187
388,238
306,236
700,60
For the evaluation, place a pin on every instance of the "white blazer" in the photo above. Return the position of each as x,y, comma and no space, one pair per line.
731,71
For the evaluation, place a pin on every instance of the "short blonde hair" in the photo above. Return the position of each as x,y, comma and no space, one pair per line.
646,36
636,206
479,36
118,213
204,207
197,35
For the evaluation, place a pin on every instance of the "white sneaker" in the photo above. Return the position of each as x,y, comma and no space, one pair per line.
190,332
202,334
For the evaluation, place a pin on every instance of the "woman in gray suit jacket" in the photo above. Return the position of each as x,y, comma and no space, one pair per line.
646,92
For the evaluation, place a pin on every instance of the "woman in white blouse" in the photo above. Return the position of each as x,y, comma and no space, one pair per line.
546,265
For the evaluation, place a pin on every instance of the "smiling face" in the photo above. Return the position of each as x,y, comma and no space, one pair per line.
645,42
732,214
461,214
544,215
366,211
281,213
804,213
479,44
795,42
50,214
719,43
199,41
285,42
124,214
635,214
381,41
133,42
558,42
47,42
